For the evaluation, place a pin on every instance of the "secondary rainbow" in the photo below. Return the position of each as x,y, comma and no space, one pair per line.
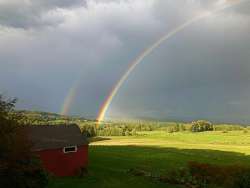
70,98
104,107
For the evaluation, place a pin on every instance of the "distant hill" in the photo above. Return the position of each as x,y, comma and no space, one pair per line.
48,116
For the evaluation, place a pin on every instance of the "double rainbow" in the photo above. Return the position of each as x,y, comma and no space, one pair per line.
103,109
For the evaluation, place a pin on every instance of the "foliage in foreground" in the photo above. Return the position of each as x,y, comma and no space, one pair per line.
18,167
203,175
233,176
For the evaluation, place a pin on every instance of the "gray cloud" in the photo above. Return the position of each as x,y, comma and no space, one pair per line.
197,74
29,14
95,40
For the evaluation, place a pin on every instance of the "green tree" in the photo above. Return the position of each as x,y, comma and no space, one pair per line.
18,166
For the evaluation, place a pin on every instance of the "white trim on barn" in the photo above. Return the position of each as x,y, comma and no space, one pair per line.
70,149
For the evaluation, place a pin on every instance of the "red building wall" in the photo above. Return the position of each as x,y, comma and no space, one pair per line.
64,164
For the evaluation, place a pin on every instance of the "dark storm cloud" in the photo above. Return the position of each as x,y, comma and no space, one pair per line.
30,14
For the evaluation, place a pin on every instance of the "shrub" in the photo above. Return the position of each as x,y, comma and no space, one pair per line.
241,178
202,175
233,176
88,130
245,131
201,126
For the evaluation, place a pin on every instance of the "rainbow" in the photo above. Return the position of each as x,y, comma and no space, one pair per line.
70,98
104,107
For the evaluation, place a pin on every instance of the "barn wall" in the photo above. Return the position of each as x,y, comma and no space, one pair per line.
64,164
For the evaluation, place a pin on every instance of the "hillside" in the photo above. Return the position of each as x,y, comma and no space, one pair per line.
48,117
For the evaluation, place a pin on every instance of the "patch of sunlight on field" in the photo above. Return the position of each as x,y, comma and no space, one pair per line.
235,141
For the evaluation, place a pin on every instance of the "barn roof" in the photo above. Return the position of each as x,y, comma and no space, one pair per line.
55,137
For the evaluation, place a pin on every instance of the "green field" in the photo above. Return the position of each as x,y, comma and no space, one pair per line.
156,152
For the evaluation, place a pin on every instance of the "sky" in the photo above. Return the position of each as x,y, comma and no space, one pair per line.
203,72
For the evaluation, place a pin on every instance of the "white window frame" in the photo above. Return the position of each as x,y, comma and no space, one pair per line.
70,151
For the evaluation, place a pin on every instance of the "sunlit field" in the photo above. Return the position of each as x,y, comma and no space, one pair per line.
234,141
156,152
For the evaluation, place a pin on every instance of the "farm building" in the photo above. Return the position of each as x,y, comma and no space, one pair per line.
63,149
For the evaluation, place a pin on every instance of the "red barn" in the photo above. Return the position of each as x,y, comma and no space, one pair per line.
63,149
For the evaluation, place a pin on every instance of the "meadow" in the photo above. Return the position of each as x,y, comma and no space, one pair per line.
157,152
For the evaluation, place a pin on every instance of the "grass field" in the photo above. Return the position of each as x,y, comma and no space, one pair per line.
157,152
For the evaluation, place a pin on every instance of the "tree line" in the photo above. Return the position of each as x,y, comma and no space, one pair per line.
132,129
91,128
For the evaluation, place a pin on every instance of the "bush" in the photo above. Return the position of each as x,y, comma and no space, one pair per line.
241,179
245,131
202,175
233,176
201,126
23,174
88,130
